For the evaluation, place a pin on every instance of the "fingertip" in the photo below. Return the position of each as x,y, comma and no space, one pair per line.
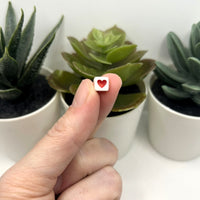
114,78
107,99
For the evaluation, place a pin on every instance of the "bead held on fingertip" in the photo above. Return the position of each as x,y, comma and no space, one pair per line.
101,83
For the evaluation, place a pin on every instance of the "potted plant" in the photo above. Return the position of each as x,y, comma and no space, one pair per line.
174,100
28,105
108,52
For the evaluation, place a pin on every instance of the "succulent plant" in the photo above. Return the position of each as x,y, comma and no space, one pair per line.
105,52
182,81
16,73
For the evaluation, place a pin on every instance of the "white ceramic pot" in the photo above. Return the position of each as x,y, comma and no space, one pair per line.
18,135
174,135
120,130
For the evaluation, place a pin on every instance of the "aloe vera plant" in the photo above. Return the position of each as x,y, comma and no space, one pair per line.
105,52
16,73
183,81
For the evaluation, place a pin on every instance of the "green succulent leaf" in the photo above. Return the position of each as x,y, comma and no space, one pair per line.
90,44
197,50
108,52
164,78
25,43
196,99
177,52
117,31
148,66
2,43
34,66
15,38
100,59
102,42
174,93
171,73
70,58
8,68
127,102
85,71
194,38
120,53
10,94
79,48
10,23
127,72
136,56
63,81
194,64
192,88
73,88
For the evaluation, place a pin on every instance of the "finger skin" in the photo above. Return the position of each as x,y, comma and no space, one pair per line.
105,184
87,162
107,99
41,167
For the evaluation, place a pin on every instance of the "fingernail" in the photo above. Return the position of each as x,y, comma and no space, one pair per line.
82,94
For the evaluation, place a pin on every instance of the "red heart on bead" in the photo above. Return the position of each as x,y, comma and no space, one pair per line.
101,83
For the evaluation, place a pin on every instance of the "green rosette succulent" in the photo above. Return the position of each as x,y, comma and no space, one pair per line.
16,73
105,52
182,81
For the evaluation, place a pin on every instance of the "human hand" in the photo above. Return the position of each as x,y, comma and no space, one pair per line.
66,161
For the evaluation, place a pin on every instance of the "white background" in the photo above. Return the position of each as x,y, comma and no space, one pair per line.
146,175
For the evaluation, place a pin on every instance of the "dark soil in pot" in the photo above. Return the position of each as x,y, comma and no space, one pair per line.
186,107
35,97
125,90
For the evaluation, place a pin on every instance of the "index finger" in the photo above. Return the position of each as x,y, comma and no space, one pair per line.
56,150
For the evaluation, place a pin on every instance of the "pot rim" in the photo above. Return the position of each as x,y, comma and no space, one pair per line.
141,104
36,111
166,108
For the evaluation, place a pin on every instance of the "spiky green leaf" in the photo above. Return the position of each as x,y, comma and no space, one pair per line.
62,81
127,102
2,43
177,52
50,35
8,68
10,94
25,42
34,66
10,23
174,93
4,83
15,38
